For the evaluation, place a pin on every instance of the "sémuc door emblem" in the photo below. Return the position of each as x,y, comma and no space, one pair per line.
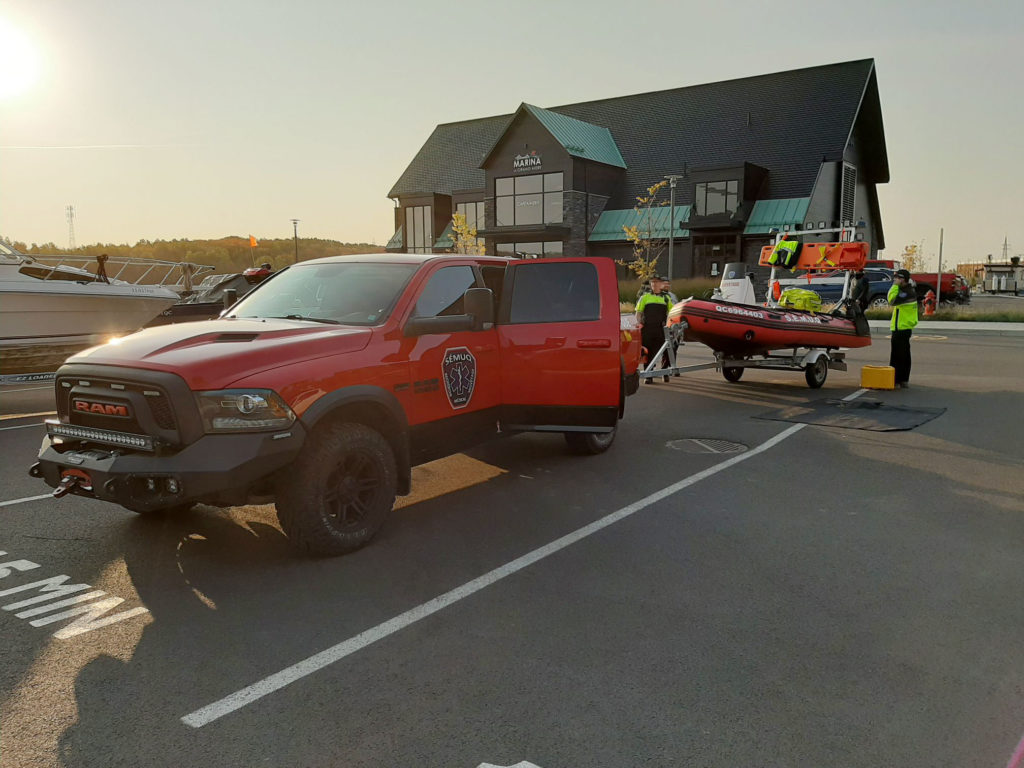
459,369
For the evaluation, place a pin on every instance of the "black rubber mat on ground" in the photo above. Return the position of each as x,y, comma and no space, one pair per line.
872,415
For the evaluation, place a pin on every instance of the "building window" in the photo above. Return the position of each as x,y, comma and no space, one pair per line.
549,249
419,229
474,213
716,197
535,199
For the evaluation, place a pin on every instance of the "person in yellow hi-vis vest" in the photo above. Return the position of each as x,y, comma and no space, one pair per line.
652,311
784,254
903,299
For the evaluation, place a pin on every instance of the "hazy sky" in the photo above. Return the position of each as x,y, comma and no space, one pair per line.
207,118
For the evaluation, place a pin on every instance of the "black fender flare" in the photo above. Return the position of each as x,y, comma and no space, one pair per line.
382,406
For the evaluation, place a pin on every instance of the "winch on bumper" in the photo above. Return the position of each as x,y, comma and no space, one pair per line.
219,469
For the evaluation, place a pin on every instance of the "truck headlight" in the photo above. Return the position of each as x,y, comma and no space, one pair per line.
243,410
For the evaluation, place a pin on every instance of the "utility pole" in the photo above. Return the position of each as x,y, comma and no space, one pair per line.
295,230
70,213
672,178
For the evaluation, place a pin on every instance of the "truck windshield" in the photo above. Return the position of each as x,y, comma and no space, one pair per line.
349,293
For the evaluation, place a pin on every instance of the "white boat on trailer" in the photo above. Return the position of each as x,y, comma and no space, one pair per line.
49,305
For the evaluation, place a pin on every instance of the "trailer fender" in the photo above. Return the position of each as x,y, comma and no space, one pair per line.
812,357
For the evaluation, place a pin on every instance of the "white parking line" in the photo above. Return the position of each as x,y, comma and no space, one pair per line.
289,675
27,498
285,677
23,426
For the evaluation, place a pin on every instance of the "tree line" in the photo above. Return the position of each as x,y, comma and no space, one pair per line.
227,255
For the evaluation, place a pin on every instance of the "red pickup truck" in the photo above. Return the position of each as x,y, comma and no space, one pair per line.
954,288
322,388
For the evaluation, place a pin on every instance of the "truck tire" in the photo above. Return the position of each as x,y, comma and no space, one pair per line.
590,443
338,492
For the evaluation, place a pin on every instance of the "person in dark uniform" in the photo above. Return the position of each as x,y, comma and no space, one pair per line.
861,289
652,311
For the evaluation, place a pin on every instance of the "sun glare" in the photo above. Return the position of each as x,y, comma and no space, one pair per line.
19,61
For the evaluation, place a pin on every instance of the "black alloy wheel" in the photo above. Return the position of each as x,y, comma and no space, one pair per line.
351,488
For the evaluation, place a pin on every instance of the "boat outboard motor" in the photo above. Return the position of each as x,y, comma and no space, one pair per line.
737,285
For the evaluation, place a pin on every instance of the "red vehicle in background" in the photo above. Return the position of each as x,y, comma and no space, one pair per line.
323,387
953,289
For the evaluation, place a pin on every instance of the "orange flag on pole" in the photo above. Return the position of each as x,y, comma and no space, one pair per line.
252,242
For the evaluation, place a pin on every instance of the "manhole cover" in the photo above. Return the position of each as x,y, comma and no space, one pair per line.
706,445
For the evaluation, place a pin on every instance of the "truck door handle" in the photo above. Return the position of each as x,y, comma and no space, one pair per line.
554,341
594,343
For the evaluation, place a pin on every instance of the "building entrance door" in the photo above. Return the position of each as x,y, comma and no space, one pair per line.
711,250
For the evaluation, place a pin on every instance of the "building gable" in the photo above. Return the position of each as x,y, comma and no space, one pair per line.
787,122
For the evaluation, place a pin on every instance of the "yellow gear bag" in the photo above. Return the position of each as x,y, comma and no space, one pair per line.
800,298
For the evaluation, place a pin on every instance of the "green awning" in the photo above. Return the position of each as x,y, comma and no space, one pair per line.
396,242
776,214
580,139
446,240
609,227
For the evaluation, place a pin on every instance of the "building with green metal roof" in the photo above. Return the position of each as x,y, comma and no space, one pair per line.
803,149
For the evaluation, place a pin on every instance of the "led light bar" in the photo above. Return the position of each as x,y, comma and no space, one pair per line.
122,439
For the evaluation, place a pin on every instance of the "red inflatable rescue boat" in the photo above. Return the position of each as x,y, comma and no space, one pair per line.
741,330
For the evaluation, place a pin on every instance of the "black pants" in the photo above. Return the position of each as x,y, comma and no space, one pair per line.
653,337
899,355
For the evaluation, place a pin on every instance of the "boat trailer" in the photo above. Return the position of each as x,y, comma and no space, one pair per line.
815,362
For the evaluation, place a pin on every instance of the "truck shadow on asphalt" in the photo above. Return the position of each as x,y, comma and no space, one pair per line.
231,602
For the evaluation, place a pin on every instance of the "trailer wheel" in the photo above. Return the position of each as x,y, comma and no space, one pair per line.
338,492
816,372
732,373
590,443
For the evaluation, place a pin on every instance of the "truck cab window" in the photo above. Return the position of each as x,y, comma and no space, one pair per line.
554,293
494,278
443,293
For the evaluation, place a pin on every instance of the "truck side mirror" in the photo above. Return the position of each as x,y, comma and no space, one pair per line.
479,304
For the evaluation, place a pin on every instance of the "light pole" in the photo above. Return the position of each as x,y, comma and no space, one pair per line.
671,218
295,230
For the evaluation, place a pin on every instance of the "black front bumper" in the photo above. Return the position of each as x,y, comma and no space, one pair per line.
217,469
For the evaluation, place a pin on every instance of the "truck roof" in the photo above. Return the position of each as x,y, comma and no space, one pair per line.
403,258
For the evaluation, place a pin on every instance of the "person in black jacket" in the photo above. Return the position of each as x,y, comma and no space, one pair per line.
861,289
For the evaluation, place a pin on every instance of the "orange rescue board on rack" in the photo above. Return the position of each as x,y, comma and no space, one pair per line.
825,255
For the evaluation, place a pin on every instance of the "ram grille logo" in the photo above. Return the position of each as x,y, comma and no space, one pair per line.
459,369
101,409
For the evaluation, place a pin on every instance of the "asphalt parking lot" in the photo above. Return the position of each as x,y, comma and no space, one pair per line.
825,597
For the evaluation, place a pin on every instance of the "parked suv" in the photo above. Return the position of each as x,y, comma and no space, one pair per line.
829,285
